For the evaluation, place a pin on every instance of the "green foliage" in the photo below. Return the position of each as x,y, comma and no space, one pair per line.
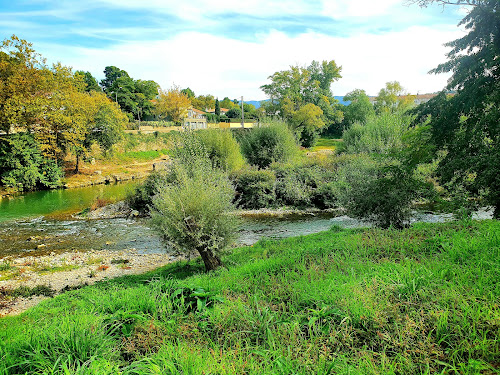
141,197
393,98
302,96
466,125
381,192
192,212
304,186
234,112
359,110
188,92
381,134
254,188
273,142
299,186
212,118
307,122
89,80
23,167
134,96
222,149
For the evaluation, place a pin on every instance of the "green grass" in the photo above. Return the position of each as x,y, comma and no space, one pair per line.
327,144
419,301
140,155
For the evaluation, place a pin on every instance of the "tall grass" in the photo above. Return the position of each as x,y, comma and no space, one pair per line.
369,301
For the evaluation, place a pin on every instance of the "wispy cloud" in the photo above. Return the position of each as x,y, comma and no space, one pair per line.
231,48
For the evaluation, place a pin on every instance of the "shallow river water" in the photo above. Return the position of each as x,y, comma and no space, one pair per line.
31,224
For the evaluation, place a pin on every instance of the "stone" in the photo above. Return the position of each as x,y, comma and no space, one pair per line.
162,165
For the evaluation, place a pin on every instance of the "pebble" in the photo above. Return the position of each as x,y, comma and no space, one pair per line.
37,270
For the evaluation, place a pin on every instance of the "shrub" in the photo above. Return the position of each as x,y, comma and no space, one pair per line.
271,143
191,212
23,167
381,134
141,197
222,149
255,188
304,185
381,192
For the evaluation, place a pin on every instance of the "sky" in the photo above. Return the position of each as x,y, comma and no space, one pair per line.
230,48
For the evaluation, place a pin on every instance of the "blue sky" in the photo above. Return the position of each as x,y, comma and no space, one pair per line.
230,48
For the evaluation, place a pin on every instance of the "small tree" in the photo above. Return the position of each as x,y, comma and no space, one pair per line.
274,142
192,212
217,109
172,104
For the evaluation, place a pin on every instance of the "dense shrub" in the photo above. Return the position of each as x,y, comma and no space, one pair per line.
141,197
222,149
254,188
270,143
191,212
381,192
304,186
23,167
381,134
298,186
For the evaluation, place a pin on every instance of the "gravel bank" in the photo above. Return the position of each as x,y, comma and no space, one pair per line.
69,270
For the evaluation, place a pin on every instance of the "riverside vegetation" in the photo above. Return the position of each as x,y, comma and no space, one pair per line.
366,301
398,300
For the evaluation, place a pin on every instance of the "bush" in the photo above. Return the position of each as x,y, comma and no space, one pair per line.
271,143
255,188
23,167
222,149
304,186
381,134
380,192
191,213
141,197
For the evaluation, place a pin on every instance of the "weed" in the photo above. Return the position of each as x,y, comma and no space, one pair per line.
5,266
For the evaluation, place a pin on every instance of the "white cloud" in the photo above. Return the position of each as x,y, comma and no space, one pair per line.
216,65
193,10
358,8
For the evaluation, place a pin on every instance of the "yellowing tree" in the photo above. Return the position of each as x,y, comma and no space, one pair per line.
393,98
49,103
172,104
307,122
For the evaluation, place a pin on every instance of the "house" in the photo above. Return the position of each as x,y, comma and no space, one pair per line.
223,111
195,119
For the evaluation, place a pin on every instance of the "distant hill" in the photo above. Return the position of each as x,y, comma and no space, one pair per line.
256,103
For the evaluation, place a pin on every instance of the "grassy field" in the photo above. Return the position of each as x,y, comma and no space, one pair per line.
327,144
419,301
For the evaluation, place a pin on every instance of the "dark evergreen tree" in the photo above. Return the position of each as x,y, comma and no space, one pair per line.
467,125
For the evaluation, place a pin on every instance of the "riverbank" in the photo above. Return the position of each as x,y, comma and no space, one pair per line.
54,274
103,172
413,301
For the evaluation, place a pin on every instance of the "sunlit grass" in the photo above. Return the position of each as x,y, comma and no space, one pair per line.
327,144
367,301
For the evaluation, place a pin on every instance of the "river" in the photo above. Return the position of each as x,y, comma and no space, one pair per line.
40,222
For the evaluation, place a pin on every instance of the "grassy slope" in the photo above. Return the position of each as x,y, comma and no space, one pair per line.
422,300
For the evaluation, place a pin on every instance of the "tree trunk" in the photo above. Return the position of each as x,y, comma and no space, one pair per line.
211,260
77,166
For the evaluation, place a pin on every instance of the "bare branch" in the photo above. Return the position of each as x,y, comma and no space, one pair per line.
425,3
